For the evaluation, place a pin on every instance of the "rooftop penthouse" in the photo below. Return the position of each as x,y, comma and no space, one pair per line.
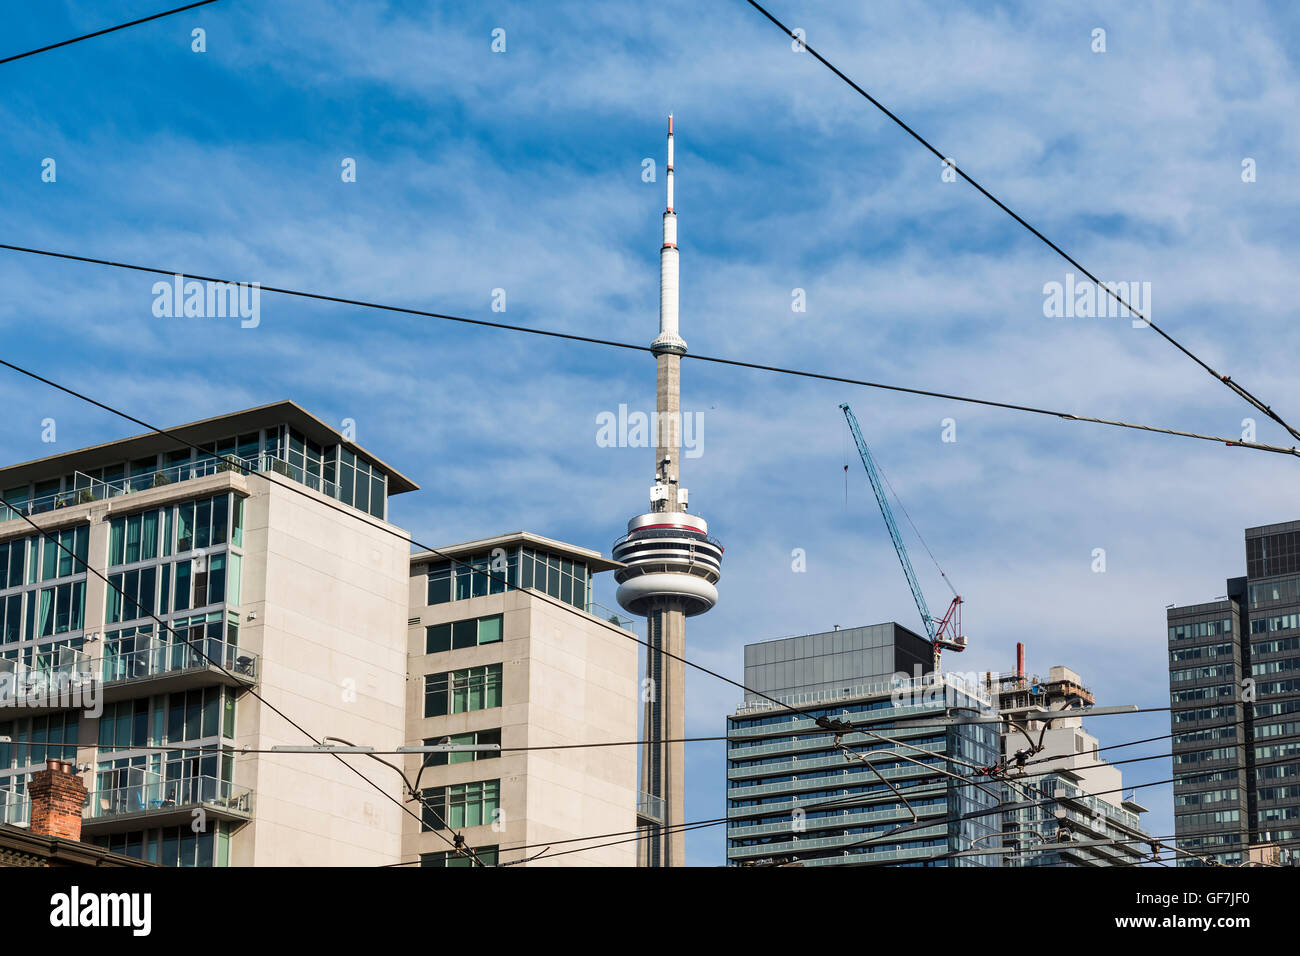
282,437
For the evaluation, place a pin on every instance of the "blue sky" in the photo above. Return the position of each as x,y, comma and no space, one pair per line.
522,171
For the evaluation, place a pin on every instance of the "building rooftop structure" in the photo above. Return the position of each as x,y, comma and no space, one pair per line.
281,437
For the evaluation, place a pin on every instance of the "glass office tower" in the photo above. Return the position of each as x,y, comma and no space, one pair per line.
1234,691
792,797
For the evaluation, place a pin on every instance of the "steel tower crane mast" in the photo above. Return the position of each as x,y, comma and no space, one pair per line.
945,632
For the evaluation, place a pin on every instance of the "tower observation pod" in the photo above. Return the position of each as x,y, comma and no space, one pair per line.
672,571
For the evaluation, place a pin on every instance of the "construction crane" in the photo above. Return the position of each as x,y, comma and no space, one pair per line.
945,631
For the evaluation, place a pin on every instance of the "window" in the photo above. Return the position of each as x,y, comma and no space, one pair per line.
476,688
37,739
458,692
473,804
473,576
60,608
440,582
487,855
570,581
461,634
461,805
133,538
64,553
203,524
125,724
464,634
437,638
12,560
435,694
489,629
481,738
130,595
173,846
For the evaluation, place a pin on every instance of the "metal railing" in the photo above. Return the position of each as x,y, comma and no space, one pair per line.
158,795
874,689
845,841
88,489
844,818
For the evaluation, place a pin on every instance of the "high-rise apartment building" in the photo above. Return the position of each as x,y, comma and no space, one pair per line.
793,796
1234,691
293,588
1069,794
286,594
493,664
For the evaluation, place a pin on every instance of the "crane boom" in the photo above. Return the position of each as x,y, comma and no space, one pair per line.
888,514
942,633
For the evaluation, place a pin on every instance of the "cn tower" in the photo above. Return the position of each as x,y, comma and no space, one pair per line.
672,569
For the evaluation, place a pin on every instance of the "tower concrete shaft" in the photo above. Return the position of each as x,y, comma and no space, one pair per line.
668,409
663,764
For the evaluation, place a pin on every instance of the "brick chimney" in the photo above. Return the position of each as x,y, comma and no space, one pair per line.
58,796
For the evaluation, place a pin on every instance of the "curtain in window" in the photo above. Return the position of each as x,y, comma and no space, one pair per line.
45,619
149,536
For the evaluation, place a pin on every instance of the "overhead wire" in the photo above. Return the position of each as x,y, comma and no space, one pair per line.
100,33
1227,380
718,360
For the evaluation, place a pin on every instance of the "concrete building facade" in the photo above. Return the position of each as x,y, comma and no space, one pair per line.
488,664
291,587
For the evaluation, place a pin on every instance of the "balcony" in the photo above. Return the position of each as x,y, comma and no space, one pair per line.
65,680
89,489
835,761
649,808
845,841
845,818
71,680
605,614
161,667
154,802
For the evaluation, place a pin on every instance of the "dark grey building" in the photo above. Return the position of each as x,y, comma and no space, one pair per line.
1234,691
813,664
793,797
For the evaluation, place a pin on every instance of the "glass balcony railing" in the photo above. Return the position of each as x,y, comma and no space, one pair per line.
90,489
649,806
838,842
51,678
159,658
65,680
165,796
605,614
846,818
